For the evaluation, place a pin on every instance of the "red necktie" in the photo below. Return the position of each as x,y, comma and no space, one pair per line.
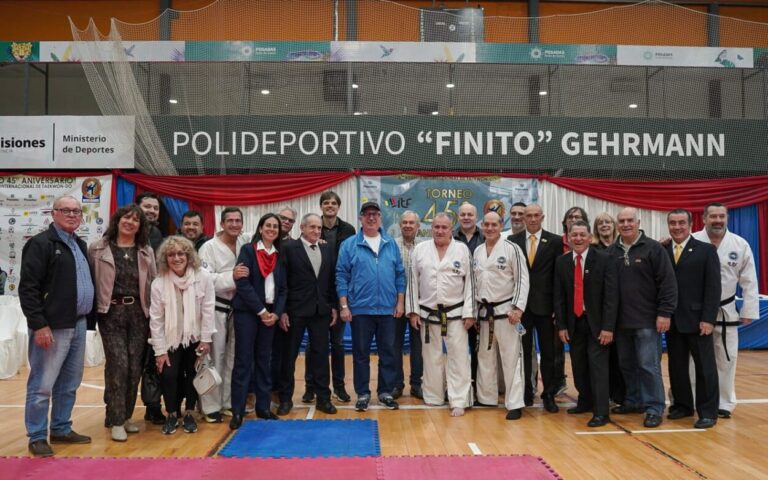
578,289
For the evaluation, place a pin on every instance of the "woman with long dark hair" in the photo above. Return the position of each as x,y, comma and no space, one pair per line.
123,270
257,305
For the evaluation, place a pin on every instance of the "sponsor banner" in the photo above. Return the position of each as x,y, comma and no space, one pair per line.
685,56
19,52
66,142
429,195
117,51
422,52
761,58
26,203
546,54
465,143
258,51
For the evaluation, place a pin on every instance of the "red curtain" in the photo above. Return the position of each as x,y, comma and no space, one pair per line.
762,228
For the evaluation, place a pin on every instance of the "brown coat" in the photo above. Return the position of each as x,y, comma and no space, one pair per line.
100,256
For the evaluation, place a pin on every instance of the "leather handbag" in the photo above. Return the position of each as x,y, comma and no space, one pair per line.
206,378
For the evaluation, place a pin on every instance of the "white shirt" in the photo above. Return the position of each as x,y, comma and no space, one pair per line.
583,259
218,259
737,267
501,274
528,240
442,282
373,242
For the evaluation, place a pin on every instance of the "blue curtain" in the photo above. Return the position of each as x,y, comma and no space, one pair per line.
126,193
176,209
744,222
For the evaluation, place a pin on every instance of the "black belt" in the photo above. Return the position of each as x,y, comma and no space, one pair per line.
223,305
489,317
724,324
123,300
442,315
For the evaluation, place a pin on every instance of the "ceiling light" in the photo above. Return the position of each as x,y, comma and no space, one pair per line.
632,105
435,113
354,85
265,92
543,93
449,85
173,101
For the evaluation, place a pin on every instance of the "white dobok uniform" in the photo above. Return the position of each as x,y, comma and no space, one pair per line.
737,267
501,283
218,259
445,284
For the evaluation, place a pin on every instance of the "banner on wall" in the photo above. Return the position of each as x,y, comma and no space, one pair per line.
58,142
546,54
685,56
106,51
465,143
429,195
420,52
19,52
248,51
26,203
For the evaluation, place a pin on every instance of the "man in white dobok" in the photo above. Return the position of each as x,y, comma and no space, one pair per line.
219,255
441,304
737,268
501,290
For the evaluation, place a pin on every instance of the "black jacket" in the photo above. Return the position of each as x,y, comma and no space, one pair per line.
343,229
250,296
309,295
541,276
155,237
647,285
48,284
600,292
698,285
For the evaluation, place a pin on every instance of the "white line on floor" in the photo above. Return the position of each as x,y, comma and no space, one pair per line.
90,385
612,432
753,400
311,413
475,449
677,430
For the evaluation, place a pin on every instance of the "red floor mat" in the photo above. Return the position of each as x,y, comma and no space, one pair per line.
485,467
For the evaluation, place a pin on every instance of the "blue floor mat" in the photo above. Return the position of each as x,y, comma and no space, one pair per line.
304,438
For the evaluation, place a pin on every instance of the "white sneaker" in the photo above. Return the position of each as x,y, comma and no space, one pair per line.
119,434
130,427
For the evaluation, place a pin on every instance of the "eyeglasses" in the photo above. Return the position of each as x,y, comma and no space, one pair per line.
69,212
286,219
575,216
176,254
371,214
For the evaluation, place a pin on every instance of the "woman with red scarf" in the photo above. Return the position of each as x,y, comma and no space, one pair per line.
258,304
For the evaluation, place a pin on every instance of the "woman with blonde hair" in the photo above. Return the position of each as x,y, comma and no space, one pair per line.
181,320
604,231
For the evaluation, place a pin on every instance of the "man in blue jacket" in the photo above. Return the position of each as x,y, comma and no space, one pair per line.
370,282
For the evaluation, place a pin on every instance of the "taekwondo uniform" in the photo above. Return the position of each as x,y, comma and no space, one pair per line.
218,259
501,283
442,294
737,267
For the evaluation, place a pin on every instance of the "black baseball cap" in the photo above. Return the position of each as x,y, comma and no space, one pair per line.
368,205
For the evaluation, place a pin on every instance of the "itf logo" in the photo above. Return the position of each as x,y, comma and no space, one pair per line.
397,202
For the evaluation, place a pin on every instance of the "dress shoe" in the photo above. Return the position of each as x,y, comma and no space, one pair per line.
652,421
724,414
71,437
397,392
550,405
705,423
309,396
236,422
598,421
626,409
266,415
40,448
341,394
416,392
284,408
326,406
678,413
578,409
214,417
515,414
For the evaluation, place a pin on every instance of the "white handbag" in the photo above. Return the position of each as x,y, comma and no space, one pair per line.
207,378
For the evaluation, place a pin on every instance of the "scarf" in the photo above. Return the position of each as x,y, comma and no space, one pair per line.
267,261
181,325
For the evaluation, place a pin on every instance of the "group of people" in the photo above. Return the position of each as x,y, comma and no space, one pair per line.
470,298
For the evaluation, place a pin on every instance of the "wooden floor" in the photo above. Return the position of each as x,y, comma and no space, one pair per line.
735,448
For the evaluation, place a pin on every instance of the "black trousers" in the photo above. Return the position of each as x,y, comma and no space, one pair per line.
590,363
280,355
176,379
316,356
337,356
253,350
545,330
616,387
680,347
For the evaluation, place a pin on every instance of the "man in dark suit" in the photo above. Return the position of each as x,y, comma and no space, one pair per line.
541,248
311,306
697,269
586,302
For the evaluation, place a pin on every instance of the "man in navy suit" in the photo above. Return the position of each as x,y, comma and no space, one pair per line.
541,248
697,269
586,303
311,306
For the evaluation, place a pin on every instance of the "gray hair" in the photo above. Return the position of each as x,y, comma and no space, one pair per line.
408,212
58,200
444,215
289,208
307,216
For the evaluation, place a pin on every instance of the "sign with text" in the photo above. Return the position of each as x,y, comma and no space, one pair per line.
51,142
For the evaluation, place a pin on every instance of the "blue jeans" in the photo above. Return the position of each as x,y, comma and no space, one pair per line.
417,364
640,361
364,328
54,375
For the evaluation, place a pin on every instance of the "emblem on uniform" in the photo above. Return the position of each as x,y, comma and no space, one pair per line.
502,260
456,264
733,255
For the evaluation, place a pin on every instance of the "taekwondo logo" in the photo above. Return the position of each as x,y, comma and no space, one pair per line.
733,257
501,263
457,267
